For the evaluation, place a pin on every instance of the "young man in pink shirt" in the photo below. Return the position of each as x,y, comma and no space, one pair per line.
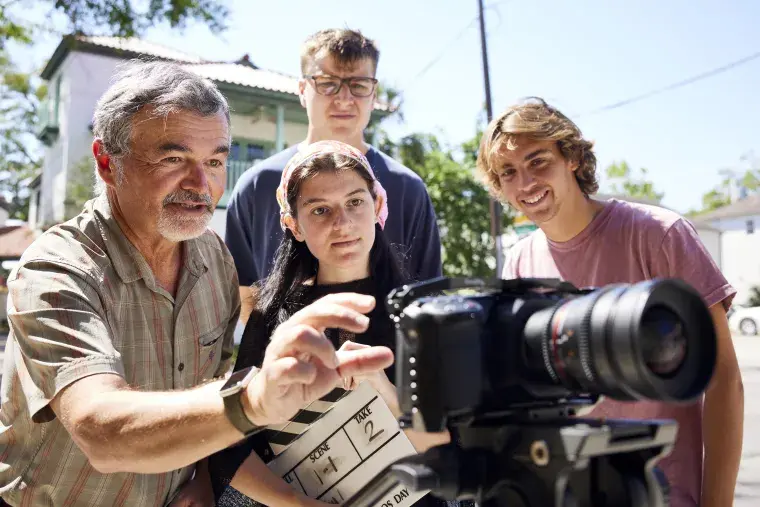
535,159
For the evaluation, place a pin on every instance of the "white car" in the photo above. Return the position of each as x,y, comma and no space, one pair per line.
744,319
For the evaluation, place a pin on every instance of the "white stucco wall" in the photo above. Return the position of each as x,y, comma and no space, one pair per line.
737,224
93,76
34,208
84,79
712,240
741,263
53,164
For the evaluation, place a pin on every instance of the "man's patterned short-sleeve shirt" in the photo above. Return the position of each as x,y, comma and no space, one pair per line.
83,301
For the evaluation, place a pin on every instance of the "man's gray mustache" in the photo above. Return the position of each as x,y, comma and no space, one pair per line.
186,195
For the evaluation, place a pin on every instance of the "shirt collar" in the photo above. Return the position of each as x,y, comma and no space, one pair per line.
127,260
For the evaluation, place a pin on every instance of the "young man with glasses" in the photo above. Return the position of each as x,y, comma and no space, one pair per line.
338,90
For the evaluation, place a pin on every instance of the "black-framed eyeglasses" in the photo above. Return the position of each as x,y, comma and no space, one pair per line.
331,85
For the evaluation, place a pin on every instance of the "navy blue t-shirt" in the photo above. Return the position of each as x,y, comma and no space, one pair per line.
253,230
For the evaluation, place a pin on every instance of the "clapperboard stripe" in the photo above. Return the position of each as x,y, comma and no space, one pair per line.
333,396
279,436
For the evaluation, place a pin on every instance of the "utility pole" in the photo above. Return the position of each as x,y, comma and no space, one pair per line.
494,206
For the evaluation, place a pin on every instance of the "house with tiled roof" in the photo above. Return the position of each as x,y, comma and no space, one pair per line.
267,115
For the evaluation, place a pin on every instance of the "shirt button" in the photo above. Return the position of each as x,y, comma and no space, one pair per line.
181,366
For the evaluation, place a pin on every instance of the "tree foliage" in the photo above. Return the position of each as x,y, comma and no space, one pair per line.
460,201
394,100
127,18
734,184
624,181
20,159
754,297
80,187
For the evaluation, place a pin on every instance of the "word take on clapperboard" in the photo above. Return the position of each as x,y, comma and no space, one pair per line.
342,449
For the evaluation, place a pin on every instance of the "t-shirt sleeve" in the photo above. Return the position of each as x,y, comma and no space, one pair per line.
239,224
59,325
682,255
425,240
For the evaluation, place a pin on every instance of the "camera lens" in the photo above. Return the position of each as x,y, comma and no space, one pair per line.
651,340
663,343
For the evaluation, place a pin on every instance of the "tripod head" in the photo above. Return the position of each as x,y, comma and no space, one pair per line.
562,462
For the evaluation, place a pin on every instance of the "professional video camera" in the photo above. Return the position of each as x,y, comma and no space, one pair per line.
505,366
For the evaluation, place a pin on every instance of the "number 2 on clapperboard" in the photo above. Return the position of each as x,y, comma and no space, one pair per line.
369,427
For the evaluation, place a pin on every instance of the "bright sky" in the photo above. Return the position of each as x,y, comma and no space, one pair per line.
580,55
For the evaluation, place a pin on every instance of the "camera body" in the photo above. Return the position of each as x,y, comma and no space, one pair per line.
502,364
510,346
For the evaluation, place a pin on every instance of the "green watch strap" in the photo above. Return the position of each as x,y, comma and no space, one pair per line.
233,407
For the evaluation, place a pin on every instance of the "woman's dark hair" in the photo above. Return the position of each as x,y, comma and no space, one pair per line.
294,264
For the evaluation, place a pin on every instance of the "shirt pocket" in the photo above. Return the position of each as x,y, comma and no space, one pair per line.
210,345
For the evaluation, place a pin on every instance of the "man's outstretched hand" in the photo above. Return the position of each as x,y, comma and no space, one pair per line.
301,365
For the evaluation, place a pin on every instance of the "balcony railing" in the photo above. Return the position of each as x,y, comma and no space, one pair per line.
235,169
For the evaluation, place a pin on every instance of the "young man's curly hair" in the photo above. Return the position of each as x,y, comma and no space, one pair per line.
538,120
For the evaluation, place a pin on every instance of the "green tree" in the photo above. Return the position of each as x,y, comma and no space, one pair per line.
624,181
22,92
754,297
747,176
374,132
124,18
461,203
19,156
80,187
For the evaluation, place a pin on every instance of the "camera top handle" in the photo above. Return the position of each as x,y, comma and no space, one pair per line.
400,298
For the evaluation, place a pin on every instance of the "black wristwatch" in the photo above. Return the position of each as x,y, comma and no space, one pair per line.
231,393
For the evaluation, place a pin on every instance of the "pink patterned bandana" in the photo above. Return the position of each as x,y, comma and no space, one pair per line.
317,149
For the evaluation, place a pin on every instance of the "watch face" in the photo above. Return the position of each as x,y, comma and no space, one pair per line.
236,380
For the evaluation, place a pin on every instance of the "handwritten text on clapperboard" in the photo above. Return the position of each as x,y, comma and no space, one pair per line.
343,450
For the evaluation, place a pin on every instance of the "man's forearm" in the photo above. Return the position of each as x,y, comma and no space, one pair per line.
154,432
723,428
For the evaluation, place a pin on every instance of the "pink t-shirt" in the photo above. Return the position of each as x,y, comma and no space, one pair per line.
629,243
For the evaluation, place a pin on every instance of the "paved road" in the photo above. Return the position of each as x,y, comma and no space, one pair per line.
748,486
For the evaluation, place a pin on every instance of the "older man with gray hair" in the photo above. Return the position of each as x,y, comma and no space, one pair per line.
122,318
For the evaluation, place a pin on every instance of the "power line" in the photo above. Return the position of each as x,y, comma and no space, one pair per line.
673,86
445,49
443,52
